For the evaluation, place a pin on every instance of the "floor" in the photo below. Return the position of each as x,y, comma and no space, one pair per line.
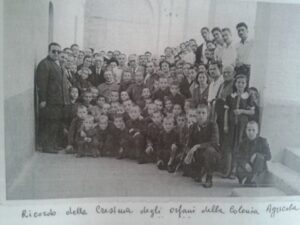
50,176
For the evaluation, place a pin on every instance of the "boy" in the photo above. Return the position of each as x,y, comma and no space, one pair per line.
163,89
86,139
153,131
87,97
254,152
159,105
177,109
145,95
114,96
175,96
136,129
105,137
135,89
109,85
168,146
76,123
203,143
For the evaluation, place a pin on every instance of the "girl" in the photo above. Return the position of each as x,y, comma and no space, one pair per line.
238,107
200,92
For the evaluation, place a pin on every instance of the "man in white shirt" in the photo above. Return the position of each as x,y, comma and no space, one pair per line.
219,42
228,56
217,79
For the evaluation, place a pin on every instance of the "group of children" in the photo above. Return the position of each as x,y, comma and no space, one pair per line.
165,111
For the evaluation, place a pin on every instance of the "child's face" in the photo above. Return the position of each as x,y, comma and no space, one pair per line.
126,76
100,101
202,79
165,67
146,93
120,109
87,98
134,113
74,93
103,123
177,109
159,105
109,77
127,105
88,124
157,118
253,94
95,93
186,68
105,108
180,77
124,96
82,112
174,89
114,107
168,105
187,106
252,131
113,65
181,120
163,83
119,123
148,101
114,97
151,109
240,84
168,125
201,69
139,77
202,115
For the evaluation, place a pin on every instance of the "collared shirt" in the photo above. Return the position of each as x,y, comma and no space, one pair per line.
229,55
244,52
218,52
214,88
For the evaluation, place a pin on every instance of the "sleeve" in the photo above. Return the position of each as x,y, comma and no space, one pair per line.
190,135
214,137
227,102
242,156
42,77
266,149
71,134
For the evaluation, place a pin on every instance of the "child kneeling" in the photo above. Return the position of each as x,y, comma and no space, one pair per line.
254,152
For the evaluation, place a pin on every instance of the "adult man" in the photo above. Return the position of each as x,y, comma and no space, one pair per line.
50,84
244,48
228,56
200,57
214,70
97,76
219,42
75,50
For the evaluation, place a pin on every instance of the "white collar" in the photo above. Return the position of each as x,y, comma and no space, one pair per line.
245,95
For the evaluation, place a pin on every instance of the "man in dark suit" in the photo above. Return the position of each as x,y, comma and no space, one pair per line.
50,85
201,49
97,76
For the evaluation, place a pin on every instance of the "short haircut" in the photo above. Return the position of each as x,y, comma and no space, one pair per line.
218,63
169,118
226,29
147,52
113,60
118,116
86,92
135,107
174,83
73,87
102,118
74,45
203,106
216,29
100,96
241,24
182,114
156,112
86,56
89,117
253,122
81,106
164,61
65,49
205,28
52,44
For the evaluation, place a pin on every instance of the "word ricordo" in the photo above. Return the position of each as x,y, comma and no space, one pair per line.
35,214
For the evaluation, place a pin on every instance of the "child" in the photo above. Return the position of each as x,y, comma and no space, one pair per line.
168,146
86,138
126,80
159,105
136,129
203,143
95,94
113,110
254,152
105,137
105,109
76,123
120,135
175,96
70,109
148,112
114,96
145,95
255,100
87,97
177,110
82,83
238,106
135,89
168,106
163,89
124,96
127,106
153,133
187,105
109,85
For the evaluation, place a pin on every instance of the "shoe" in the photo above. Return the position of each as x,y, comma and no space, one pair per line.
141,161
160,165
171,169
198,179
208,183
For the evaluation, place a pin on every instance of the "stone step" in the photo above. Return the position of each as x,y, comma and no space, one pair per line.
284,178
256,192
291,158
